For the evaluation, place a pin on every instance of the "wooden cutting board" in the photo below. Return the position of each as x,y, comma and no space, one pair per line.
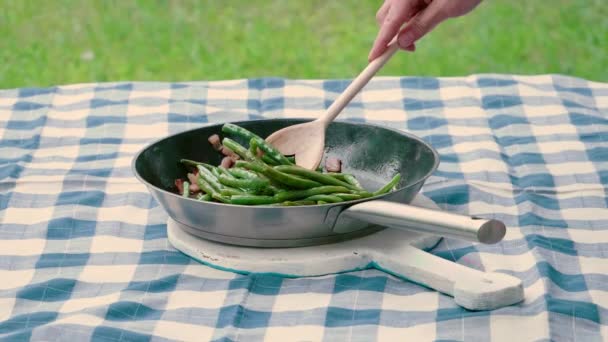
397,252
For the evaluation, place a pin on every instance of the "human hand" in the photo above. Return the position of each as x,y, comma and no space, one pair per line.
421,17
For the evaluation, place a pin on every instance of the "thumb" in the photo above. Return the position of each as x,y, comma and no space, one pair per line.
421,24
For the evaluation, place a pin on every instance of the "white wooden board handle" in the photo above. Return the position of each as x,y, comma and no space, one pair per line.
358,83
471,289
441,223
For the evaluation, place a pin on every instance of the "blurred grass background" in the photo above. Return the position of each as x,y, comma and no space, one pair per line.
54,42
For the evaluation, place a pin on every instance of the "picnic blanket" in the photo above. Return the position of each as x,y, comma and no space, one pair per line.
84,252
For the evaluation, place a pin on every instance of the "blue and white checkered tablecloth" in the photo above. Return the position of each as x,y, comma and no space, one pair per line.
84,252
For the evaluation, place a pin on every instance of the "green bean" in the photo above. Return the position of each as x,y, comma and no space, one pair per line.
235,130
294,203
205,197
337,175
316,176
364,194
186,187
249,166
300,194
350,179
231,192
239,149
321,202
289,180
245,174
253,139
225,171
324,198
291,159
345,177
252,199
209,178
206,187
220,197
195,163
238,172
266,159
283,178
216,172
348,197
271,151
250,184
389,186
253,148
259,142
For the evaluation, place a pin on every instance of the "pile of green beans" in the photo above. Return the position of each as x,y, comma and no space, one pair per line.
264,176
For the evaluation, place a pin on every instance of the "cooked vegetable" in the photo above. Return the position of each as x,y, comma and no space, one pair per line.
210,178
252,199
261,175
249,184
316,176
231,192
266,159
271,151
229,153
257,142
388,187
288,180
216,172
242,173
206,187
350,179
302,194
348,197
196,164
205,197
235,130
325,198
295,203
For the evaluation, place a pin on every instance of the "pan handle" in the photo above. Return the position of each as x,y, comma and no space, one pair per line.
430,221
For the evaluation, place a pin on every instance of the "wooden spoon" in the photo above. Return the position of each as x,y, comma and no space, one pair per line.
307,141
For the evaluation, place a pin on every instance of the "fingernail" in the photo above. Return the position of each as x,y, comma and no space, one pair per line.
406,39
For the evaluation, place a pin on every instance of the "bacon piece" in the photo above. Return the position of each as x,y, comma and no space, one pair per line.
179,183
227,162
229,153
333,164
215,141
193,184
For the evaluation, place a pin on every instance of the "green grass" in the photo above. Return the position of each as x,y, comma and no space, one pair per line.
42,42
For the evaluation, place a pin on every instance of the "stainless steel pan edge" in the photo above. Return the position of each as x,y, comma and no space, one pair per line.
268,226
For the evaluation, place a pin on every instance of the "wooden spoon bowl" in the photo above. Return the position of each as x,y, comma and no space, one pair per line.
307,141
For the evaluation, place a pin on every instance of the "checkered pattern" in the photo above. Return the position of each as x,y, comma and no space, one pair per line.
84,252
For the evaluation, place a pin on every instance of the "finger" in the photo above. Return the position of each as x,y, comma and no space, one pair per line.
381,14
396,16
421,24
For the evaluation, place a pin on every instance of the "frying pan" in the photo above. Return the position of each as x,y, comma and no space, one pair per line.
373,154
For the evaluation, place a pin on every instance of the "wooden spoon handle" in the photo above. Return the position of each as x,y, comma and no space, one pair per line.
355,86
